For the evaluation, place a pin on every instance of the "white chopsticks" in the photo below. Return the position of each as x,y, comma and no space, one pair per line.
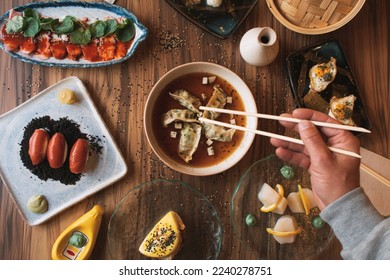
268,134
287,119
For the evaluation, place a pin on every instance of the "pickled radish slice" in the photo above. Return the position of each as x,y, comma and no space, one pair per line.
286,229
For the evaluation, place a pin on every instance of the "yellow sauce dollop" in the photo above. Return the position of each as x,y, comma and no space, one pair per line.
66,96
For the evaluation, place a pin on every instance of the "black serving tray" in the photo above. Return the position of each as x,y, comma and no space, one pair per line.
299,64
221,21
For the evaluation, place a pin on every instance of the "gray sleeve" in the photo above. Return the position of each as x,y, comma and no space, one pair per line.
362,231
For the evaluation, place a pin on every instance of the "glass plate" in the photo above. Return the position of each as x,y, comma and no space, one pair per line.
221,21
299,64
143,206
308,245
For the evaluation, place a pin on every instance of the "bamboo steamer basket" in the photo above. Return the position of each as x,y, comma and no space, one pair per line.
314,16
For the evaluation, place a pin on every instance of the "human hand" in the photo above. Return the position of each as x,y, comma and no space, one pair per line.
331,174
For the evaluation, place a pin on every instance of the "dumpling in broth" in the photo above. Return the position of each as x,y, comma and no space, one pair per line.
175,115
187,100
218,133
189,140
217,100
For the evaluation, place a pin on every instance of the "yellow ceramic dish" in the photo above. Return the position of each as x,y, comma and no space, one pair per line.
76,242
164,240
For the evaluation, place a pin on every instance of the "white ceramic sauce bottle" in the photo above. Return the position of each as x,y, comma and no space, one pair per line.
259,46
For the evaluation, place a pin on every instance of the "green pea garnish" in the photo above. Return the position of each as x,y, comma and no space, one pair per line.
318,222
287,172
250,220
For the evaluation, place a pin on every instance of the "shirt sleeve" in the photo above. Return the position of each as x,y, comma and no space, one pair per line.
361,230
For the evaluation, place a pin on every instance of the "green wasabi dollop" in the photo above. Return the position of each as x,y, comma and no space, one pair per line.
287,172
38,204
78,240
250,220
318,222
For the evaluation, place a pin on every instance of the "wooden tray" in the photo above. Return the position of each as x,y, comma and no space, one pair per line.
314,16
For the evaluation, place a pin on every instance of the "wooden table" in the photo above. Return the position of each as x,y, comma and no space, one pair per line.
120,92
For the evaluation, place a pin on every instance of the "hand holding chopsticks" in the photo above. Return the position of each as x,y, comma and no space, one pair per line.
277,136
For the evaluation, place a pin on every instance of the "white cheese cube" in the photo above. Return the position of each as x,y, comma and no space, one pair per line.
209,142
210,151
178,125
173,134
205,80
212,79
229,99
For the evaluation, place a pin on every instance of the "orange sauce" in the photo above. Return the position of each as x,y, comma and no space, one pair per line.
11,41
43,46
28,45
58,49
105,49
193,84
90,52
74,51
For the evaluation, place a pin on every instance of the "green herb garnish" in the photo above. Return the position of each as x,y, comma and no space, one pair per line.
16,24
30,24
49,24
126,31
98,29
112,26
81,36
67,26
32,28
30,13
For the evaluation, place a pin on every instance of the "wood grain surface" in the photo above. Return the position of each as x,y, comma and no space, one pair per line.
120,92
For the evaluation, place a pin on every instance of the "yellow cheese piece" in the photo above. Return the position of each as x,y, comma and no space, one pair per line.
164,240
66,96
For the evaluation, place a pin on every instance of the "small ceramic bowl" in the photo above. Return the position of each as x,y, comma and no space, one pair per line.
154,101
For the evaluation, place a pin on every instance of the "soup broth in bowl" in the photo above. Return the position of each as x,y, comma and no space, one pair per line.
171,115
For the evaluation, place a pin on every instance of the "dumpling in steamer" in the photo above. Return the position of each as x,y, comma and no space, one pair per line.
175,115
217,100
187,100
321,75
341,109
189,140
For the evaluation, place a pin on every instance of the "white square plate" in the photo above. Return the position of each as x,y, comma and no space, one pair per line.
110,165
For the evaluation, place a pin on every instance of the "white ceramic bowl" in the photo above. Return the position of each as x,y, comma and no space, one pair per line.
241,88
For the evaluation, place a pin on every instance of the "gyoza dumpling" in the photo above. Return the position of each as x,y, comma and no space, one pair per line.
341,109
217,100
175,115
218,133
189,140
321,75
187,100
